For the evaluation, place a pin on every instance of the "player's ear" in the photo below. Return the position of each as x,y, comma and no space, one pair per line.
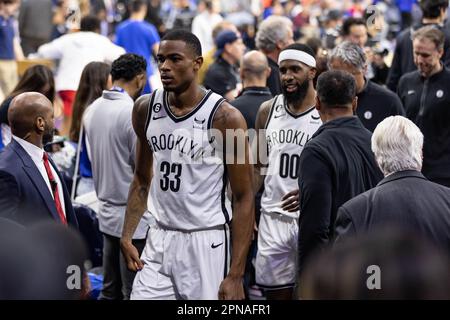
198,62
268,72
312,73
40,124
318,106
354,104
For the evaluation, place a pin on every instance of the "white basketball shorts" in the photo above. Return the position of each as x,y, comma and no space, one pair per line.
182,265
276,258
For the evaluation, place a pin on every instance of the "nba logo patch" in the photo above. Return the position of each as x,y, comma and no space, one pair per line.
157,107
439,93
368,115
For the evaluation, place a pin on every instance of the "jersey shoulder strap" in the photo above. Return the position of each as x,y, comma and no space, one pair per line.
149,109
213,103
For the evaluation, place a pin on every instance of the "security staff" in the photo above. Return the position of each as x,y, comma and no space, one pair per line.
374,102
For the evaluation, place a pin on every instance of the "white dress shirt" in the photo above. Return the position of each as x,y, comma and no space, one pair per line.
36,155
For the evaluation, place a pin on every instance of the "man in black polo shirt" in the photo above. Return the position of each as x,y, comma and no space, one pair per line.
425,94
336,165
374,102
222,76
254,73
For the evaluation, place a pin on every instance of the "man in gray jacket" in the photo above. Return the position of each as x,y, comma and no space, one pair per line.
110,142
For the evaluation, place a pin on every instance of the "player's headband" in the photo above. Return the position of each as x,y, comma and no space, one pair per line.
297,55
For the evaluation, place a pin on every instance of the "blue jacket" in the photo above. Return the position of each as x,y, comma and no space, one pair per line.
24,196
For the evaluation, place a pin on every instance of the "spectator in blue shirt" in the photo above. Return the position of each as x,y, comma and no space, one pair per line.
10,50
139,37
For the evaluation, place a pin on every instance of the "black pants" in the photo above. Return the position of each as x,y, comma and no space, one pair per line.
117,279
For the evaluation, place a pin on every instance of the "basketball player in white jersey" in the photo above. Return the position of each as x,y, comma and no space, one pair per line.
187,250
288,120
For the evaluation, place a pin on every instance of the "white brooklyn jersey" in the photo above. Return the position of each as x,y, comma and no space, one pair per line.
286,135
188,188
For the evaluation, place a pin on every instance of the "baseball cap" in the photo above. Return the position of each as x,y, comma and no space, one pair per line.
334,15
224,38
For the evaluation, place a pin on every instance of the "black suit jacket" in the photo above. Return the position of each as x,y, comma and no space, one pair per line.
24,195
404,199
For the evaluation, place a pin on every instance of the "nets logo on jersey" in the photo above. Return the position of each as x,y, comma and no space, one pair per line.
199,123
279,111
315,120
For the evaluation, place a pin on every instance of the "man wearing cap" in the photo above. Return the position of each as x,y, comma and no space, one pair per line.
222,76
285,125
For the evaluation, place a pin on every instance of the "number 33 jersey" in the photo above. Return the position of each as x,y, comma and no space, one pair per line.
286,134
188,188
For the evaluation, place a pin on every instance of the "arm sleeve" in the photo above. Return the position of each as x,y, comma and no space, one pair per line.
9,196
52,50
315,184
400,91
153,36
119,38
344,226
131,142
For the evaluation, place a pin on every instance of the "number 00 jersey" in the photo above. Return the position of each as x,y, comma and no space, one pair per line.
286,135
189,181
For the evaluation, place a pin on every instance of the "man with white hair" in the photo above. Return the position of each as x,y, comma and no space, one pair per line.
404,198
274,34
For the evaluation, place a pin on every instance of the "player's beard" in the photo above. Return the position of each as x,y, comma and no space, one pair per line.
298,95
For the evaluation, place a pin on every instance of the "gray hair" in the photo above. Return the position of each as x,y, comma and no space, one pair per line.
270,31
397,144
349,53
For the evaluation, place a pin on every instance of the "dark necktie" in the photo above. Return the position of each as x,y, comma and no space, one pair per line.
54,186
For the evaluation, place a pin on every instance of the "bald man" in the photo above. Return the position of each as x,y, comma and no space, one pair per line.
31,188
254,73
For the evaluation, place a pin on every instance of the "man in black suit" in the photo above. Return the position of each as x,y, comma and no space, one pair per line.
335,165
31,188
404,198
